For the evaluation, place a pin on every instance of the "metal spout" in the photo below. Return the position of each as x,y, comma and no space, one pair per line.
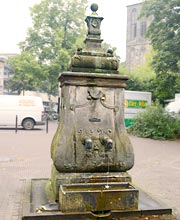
88,143
108,144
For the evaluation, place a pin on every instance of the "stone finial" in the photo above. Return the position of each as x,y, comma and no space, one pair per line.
93,23
93,58
94,8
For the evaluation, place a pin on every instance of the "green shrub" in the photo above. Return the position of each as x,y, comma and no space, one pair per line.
155,123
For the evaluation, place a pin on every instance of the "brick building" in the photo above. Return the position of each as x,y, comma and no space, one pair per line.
136,44
5,73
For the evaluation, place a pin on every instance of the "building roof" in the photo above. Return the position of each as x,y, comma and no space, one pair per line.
7,55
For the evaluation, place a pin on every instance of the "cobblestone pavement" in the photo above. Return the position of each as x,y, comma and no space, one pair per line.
26,155
157,170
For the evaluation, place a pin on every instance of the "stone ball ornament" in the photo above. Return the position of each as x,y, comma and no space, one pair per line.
94,7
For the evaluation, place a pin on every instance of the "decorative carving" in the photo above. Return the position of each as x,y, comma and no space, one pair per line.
93,24
73,107
93,95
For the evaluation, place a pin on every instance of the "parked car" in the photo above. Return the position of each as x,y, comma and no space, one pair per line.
51,114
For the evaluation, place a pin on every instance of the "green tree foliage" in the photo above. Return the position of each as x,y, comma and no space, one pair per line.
58,29
164,33
135,82
29,74
165,86
142,77
156,123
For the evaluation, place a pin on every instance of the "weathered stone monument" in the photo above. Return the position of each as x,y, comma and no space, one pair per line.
91,151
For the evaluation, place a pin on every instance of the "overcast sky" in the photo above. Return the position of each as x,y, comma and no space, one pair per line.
15,19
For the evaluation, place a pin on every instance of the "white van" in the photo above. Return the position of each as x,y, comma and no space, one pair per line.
174,107
25,111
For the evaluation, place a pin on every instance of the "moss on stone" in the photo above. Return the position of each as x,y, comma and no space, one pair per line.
49,192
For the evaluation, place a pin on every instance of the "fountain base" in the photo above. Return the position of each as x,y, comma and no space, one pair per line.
38,204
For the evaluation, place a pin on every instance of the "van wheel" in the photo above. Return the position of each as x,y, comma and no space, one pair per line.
28,124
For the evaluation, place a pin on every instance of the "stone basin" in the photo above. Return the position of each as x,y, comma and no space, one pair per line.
98,197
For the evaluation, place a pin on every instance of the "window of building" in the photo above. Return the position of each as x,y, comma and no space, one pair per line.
134,23
134,30
8,70
134,15
143,28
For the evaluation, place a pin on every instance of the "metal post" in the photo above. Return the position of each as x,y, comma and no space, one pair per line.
47,124
16,124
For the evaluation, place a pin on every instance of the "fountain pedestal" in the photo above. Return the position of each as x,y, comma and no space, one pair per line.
91,137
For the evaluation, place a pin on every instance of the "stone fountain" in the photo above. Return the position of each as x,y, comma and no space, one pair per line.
91,151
